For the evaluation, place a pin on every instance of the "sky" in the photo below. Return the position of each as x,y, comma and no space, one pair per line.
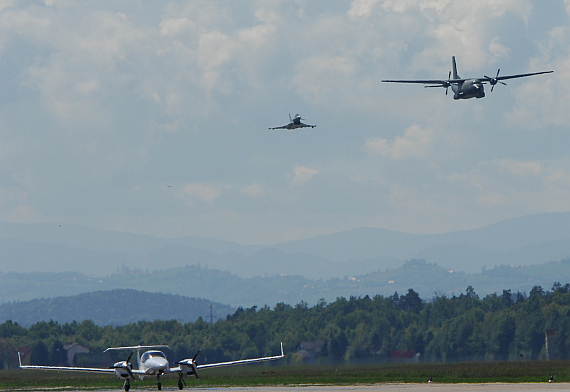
152,117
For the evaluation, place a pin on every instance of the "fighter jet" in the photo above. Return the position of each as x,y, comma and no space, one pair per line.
467,88
294,123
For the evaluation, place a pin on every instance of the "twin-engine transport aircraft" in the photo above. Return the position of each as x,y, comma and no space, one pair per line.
152,363
294,123
467,88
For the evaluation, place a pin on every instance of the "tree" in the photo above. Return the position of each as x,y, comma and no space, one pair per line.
8,356
58,355
338,346
411,302
40,354
505,336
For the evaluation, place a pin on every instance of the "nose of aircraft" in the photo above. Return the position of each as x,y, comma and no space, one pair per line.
155,365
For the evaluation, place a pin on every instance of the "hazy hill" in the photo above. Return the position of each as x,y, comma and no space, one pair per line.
533,239
116,307
222,287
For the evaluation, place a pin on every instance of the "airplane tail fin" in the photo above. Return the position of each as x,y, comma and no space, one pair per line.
455,76
290,120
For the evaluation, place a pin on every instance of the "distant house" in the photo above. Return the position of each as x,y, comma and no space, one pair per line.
73,349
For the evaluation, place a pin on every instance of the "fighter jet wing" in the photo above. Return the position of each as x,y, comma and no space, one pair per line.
307,126
283,127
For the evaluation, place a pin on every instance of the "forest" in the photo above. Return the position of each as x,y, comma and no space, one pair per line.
498,327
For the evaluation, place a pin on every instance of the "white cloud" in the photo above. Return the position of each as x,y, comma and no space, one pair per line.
175,26
520,169
362,8
203,192
115,98
416,143
498,50
302,175
253,190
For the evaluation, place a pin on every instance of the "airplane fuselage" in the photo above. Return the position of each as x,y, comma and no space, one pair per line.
471,88
153,363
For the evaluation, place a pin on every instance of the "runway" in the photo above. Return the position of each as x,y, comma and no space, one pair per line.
390,387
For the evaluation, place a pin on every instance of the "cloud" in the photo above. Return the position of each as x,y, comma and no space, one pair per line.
25,213
253,190
415,143
520,169
203,192
302,175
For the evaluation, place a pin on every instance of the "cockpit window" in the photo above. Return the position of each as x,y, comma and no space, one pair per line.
152,354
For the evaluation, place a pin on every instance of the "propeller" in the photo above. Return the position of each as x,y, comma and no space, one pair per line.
125,365
191,363
445,83
494,81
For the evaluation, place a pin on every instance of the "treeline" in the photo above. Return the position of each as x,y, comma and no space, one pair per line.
507,326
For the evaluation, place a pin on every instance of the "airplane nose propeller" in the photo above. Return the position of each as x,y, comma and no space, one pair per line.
494,81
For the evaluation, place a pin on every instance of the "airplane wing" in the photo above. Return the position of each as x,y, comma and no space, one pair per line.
231,363
283,127
77,369
74,368
438,82
69,368
307,125
488,79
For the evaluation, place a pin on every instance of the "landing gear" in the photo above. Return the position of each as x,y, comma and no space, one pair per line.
181,382
159,384
127,385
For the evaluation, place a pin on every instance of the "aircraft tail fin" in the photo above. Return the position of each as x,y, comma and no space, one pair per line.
455,75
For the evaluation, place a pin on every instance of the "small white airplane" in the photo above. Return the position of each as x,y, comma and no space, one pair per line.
152,363
294,123
467,88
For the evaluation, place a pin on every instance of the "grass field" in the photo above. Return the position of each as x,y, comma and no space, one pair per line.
260,375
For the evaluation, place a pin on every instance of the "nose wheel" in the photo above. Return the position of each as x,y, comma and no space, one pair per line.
127,385
159,384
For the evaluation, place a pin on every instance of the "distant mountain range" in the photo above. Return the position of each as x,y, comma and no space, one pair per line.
427,279
113,307
529,240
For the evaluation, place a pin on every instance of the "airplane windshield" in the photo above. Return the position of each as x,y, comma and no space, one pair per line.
152,354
